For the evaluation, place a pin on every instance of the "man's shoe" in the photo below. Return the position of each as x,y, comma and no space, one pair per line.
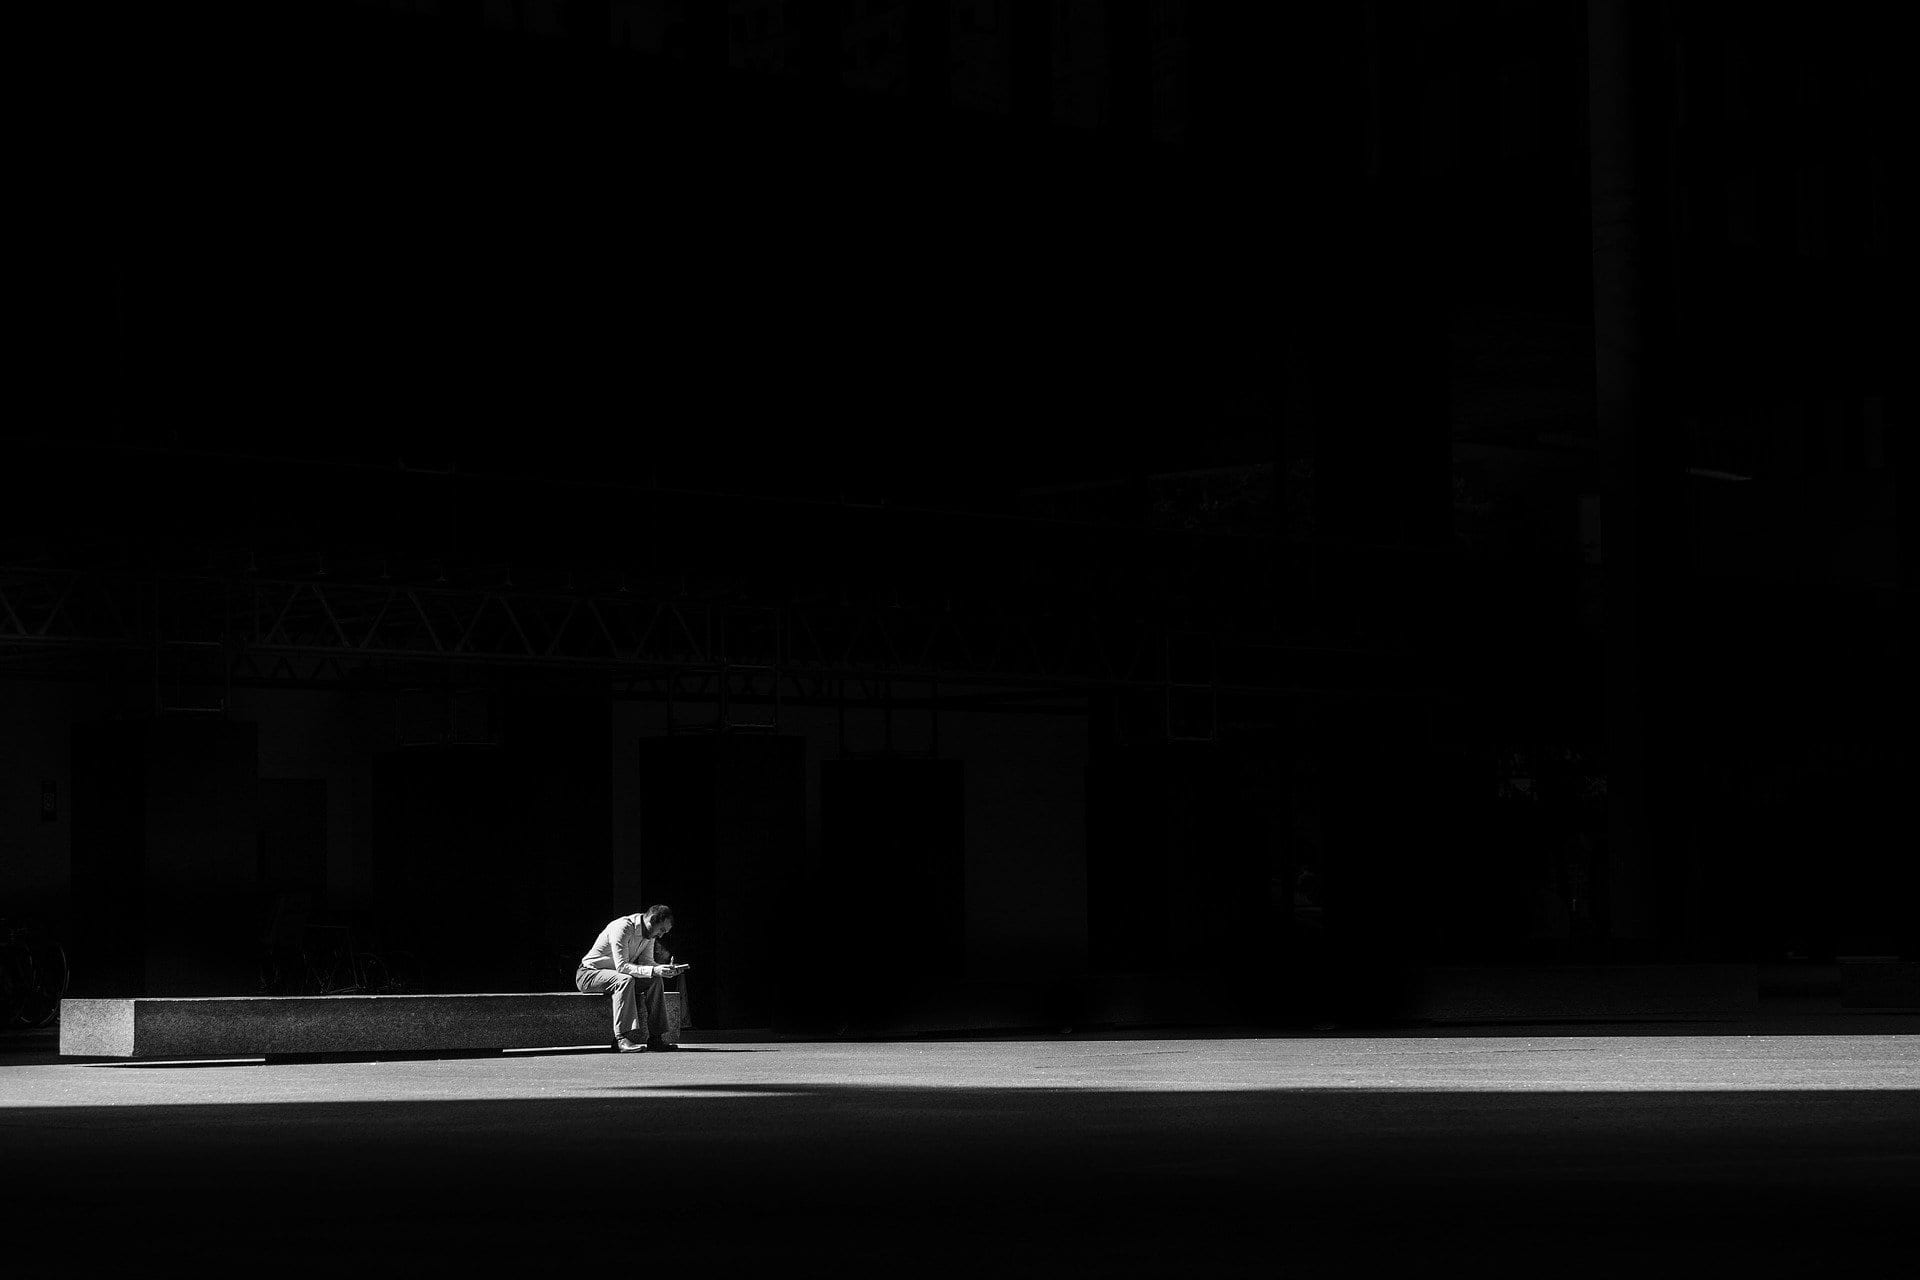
624,1045
662,1046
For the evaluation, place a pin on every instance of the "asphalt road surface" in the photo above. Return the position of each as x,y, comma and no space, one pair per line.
1568,1154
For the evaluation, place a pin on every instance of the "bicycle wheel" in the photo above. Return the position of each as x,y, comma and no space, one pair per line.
400,970
13,985
375,977
51,977
47,983
316,975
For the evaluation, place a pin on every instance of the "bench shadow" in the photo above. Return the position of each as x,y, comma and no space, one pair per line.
562,1053
118,1064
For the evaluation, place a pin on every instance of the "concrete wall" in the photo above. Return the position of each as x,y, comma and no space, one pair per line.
331,736
1024,817
36,719
199,890
1026,842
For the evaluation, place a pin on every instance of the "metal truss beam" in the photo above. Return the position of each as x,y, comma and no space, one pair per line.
320,630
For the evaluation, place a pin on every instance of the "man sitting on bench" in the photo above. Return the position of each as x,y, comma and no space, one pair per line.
620,959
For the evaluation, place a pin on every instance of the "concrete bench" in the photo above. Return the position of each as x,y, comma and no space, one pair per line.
286,1026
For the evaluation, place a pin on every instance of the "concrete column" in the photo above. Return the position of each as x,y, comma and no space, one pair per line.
1305,120
813,27
1129,71
589,23
1032,45
929,54
164,857
1628,96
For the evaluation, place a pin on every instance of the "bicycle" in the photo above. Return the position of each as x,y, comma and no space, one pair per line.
34,975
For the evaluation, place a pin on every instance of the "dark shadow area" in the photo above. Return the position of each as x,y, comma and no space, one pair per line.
169,1064
1715,1026
1021,1180
1815,1022
425,1055
589,1052
30,1042
702,1048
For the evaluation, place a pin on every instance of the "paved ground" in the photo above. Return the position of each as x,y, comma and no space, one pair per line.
1586,1151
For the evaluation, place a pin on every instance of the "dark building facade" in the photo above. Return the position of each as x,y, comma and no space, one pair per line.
1389,485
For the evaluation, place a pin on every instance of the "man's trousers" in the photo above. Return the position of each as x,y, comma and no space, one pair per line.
627,993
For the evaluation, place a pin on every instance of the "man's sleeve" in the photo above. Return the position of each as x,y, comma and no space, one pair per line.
621,961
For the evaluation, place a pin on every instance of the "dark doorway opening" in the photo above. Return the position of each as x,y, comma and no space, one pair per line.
722,841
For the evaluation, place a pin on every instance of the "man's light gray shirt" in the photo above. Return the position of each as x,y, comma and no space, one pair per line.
622,946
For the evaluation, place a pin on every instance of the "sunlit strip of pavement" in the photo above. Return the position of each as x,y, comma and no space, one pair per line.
1519,1064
